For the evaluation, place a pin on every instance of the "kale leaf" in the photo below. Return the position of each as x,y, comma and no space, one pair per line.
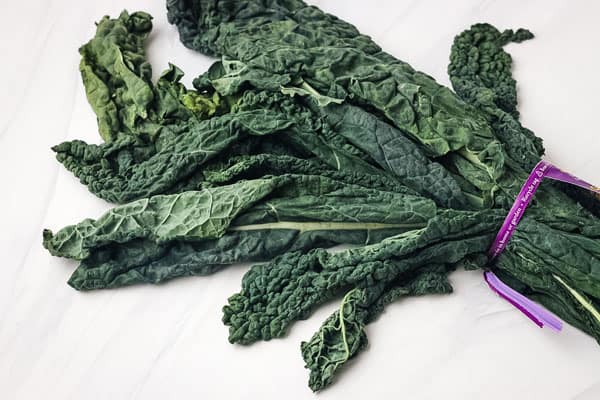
305,135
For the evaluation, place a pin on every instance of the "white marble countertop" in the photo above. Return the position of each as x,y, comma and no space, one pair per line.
167,342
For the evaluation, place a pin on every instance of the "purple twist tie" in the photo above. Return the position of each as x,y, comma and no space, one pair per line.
533,311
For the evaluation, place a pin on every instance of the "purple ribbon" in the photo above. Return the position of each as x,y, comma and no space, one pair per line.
538,314
533,311
542,170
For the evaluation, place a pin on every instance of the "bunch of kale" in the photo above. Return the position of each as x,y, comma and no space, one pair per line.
305,135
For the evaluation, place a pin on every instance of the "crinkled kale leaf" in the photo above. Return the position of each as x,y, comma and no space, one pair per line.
304,135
